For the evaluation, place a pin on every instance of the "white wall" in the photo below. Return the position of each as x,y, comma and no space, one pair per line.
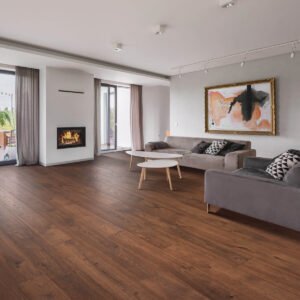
187,101
156,112
64,110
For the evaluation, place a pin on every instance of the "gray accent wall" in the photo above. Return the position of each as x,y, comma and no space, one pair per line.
187,107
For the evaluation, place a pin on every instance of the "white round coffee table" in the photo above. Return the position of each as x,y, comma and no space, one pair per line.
157,164
155,155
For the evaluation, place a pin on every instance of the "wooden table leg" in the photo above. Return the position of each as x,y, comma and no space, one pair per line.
179,171
169,178
145,170
141,178
130,164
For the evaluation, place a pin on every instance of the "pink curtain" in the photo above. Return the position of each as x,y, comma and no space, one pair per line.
136,118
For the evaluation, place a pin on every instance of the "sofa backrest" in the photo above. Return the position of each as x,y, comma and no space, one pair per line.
189,142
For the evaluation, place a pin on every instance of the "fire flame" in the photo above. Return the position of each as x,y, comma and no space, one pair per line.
68,138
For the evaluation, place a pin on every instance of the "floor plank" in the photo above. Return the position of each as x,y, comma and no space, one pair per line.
85,231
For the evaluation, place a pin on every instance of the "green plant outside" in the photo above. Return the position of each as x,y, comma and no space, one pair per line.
7,120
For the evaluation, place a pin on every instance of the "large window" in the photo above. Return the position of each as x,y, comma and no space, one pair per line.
115,117
7,118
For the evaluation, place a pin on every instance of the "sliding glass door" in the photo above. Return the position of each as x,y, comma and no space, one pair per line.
7,118
115,118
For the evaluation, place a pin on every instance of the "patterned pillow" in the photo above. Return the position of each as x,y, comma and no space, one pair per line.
282,164
215,147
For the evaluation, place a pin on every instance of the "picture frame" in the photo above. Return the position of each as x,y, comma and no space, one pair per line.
241,108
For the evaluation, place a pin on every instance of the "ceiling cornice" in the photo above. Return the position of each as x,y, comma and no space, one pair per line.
35,49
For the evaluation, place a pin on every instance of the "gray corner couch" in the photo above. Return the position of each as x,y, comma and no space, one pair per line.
253,192
184,145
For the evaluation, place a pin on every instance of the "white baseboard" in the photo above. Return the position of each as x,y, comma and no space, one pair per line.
65,162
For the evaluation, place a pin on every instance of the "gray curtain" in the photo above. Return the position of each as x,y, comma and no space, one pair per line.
97,86
136,118
27,116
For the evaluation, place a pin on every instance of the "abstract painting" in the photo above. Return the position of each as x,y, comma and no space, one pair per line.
241,108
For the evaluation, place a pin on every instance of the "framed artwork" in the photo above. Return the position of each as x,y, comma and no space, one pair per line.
241,108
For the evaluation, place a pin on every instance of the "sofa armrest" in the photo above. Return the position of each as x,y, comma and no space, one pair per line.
234,160
156,146
257,162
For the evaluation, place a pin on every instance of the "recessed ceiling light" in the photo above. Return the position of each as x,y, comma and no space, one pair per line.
159,29
226,3
118,47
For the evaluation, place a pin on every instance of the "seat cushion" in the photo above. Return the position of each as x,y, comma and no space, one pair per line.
174,150
253,172
202,161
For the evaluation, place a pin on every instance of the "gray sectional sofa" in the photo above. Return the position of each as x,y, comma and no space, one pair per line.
184,145
253,192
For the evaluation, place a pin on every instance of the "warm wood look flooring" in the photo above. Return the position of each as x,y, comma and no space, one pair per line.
84,231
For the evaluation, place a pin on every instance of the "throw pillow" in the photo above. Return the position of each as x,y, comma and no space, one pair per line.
215,147
231,147
201,147
282,164
159,145
293,151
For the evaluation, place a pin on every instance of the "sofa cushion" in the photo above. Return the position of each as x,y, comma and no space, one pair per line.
253,172
174,150
282,164
202,161
231,147
201,147
182,142
292,177
215,147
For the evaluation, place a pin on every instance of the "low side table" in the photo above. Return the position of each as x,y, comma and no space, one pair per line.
157,164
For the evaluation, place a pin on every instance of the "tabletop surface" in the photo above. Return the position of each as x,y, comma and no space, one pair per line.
158,155
157,164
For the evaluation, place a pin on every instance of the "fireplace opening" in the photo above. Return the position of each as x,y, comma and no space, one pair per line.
70,137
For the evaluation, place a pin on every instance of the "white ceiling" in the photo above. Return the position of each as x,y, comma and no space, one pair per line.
18,57
197,29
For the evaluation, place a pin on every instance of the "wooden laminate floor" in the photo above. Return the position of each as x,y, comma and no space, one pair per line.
83,231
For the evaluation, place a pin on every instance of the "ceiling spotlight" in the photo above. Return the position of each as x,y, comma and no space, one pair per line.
226,3
118,47
180,73
294,49
159,29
